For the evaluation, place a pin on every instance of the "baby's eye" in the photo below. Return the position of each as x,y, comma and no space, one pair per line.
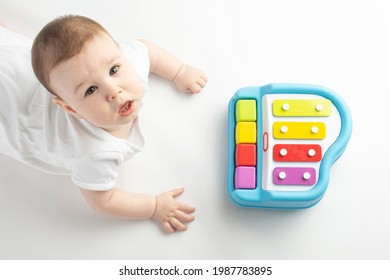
90,90
114,70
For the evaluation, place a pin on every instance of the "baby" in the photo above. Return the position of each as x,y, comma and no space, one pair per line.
89,124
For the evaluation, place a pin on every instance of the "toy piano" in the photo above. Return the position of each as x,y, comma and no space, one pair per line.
282,141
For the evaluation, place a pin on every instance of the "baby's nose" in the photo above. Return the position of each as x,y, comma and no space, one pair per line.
113,92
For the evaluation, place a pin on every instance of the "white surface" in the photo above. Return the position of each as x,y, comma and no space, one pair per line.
343,45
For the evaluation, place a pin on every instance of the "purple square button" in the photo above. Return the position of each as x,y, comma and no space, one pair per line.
245,177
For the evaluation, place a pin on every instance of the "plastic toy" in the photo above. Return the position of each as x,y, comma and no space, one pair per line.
282,141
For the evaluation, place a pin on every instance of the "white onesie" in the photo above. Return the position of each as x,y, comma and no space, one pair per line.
37,132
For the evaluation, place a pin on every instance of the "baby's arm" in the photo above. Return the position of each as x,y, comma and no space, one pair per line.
167,65
163,208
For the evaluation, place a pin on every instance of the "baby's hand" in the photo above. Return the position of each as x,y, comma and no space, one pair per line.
190,79
171,213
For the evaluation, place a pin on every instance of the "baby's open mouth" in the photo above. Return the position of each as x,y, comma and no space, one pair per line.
126,108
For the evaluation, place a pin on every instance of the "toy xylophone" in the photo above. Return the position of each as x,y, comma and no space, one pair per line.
282,141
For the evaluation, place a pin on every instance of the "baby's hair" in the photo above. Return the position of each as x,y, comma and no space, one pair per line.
60,40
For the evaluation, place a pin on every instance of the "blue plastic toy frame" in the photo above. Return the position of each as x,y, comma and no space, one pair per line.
284,199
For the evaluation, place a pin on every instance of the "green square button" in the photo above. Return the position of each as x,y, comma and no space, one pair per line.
246,110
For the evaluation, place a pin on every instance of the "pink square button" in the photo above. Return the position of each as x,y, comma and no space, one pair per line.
245,177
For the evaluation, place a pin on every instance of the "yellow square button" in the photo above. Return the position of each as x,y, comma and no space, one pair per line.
246,110
246,133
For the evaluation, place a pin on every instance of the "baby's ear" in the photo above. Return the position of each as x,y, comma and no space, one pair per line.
62,103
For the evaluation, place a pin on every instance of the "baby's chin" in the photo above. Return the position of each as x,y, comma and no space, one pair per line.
122,125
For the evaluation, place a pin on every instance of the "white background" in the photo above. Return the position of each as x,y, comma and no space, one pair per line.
343,45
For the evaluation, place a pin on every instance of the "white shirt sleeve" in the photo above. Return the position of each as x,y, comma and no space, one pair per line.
96,172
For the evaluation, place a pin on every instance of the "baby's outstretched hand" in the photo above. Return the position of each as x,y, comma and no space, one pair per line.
172,214
190,79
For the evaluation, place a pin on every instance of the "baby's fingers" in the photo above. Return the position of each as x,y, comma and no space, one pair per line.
202,82
184,217
168,227
177,225
198,85
204,77
185,207
176,192
195,88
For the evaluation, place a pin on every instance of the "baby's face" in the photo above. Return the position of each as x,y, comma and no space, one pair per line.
100,85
